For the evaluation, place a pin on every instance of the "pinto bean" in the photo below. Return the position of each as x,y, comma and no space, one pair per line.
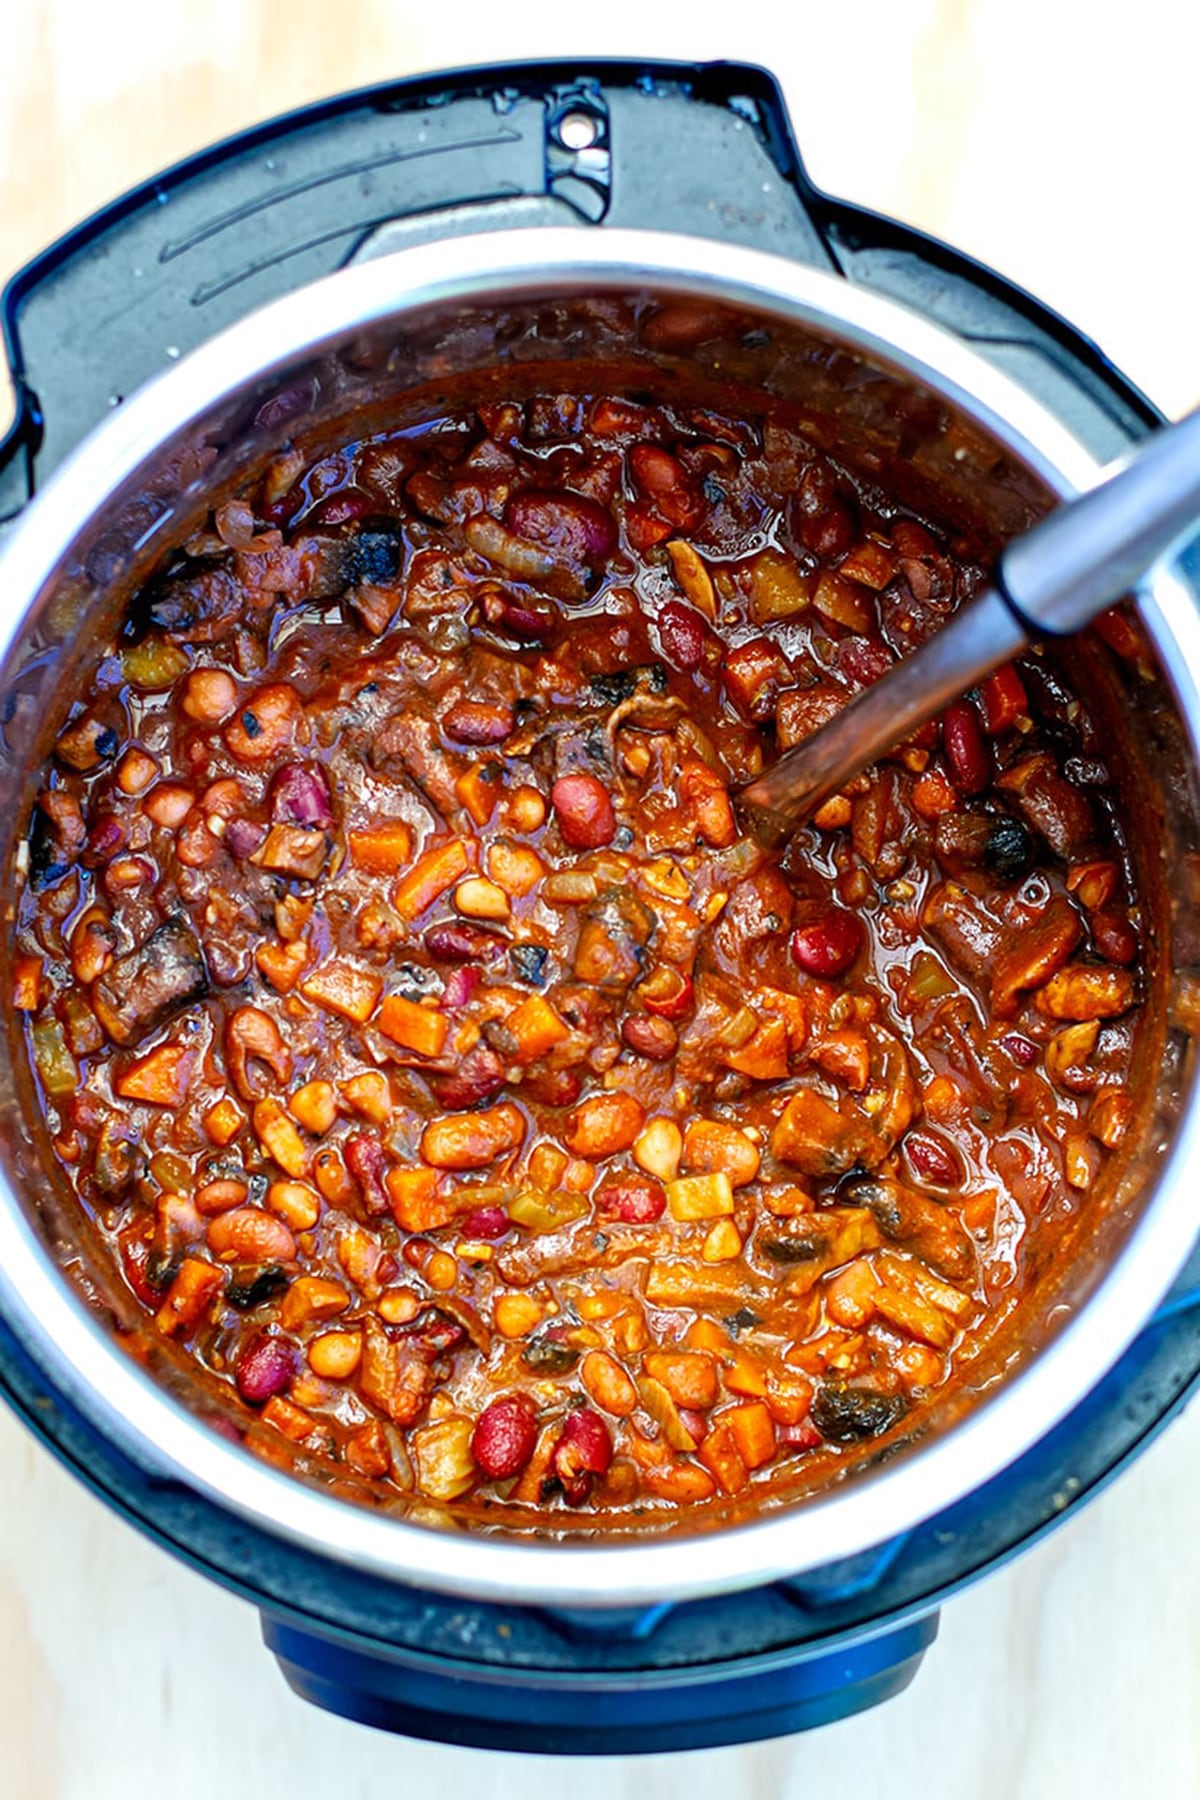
473,1140
252,1037
248,1235
604,1125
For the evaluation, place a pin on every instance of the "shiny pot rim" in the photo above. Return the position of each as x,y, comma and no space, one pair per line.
85,1361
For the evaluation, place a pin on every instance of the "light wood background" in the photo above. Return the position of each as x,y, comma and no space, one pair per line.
1055,141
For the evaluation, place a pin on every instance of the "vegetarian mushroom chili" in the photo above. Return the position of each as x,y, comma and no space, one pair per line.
449,1073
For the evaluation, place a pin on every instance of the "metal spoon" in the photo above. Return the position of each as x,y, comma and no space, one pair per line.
1080,559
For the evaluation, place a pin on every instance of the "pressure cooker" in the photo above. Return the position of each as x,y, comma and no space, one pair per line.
320,266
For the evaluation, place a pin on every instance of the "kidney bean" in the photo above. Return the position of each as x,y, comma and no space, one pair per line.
966,747
567,524
519,618
933,1160
584,811
243,837
662,479
681,634
583,1451
654,1038
343,508
822,520
265,1367
803,1436
828,944
1021,1049
694,1423
459,990
478,722
106,839
633,1199
553,1087
487,1223
912,539
478,1076
1114,936
459,943
366,1161
505,1436
300,796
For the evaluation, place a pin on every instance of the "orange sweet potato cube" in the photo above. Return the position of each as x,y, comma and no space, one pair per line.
414,1027
415,1200
753,1432
381,849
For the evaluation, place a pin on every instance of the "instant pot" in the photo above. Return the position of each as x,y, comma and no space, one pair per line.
588,182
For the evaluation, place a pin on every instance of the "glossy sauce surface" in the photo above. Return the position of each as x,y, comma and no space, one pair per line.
448,1072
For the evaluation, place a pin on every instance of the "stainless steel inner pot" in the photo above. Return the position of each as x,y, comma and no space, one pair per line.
869,379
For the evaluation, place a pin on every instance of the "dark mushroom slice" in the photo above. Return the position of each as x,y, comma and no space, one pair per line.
846,1414
145,988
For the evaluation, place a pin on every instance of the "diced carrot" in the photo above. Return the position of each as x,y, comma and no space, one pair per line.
746,1375
290,1420
689,1376
415,1199
282,964
765,1056
1003,699
27,983
979,1211
722,1458
933,794
789,1397
412,1026
438,869
536,1028
341,988
195,1285
478,789
223,1121
753,1431
162,1077
706,1334
381,849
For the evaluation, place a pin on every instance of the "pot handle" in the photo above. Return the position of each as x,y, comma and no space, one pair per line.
701,148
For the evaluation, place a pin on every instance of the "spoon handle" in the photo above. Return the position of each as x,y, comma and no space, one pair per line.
979,637
1049,582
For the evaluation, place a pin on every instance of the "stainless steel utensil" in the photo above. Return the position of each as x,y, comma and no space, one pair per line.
1050,582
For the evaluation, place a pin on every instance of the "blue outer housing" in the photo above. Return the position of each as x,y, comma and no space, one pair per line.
250,219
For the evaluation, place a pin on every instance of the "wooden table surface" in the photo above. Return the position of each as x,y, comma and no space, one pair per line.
1059,145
